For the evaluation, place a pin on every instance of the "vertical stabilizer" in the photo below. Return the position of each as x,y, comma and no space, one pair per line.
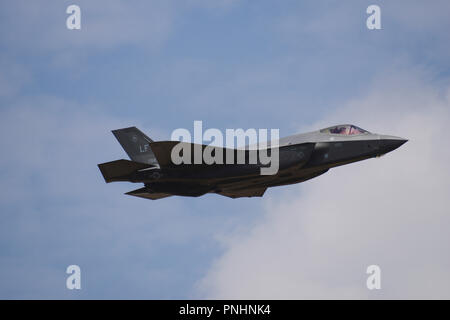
136,144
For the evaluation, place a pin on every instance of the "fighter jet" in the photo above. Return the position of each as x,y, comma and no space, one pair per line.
301,157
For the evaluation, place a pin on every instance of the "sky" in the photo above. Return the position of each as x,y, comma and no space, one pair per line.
160,65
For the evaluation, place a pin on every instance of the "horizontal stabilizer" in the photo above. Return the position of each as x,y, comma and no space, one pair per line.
144,193
120,170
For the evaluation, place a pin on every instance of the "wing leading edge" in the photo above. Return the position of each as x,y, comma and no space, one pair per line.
144,193
259,192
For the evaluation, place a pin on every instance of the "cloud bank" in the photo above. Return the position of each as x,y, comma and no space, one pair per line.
317,241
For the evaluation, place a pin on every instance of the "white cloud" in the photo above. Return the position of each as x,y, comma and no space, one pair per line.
41,26
317,242
57,210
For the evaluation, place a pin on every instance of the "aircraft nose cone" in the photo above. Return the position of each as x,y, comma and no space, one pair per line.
390,143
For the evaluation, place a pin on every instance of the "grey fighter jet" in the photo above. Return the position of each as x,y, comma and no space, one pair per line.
301,157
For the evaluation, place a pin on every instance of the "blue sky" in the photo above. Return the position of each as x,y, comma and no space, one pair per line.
160,65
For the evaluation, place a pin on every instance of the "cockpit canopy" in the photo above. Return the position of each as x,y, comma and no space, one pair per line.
345,129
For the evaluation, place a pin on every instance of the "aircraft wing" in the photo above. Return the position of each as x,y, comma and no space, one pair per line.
259,192
144,193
